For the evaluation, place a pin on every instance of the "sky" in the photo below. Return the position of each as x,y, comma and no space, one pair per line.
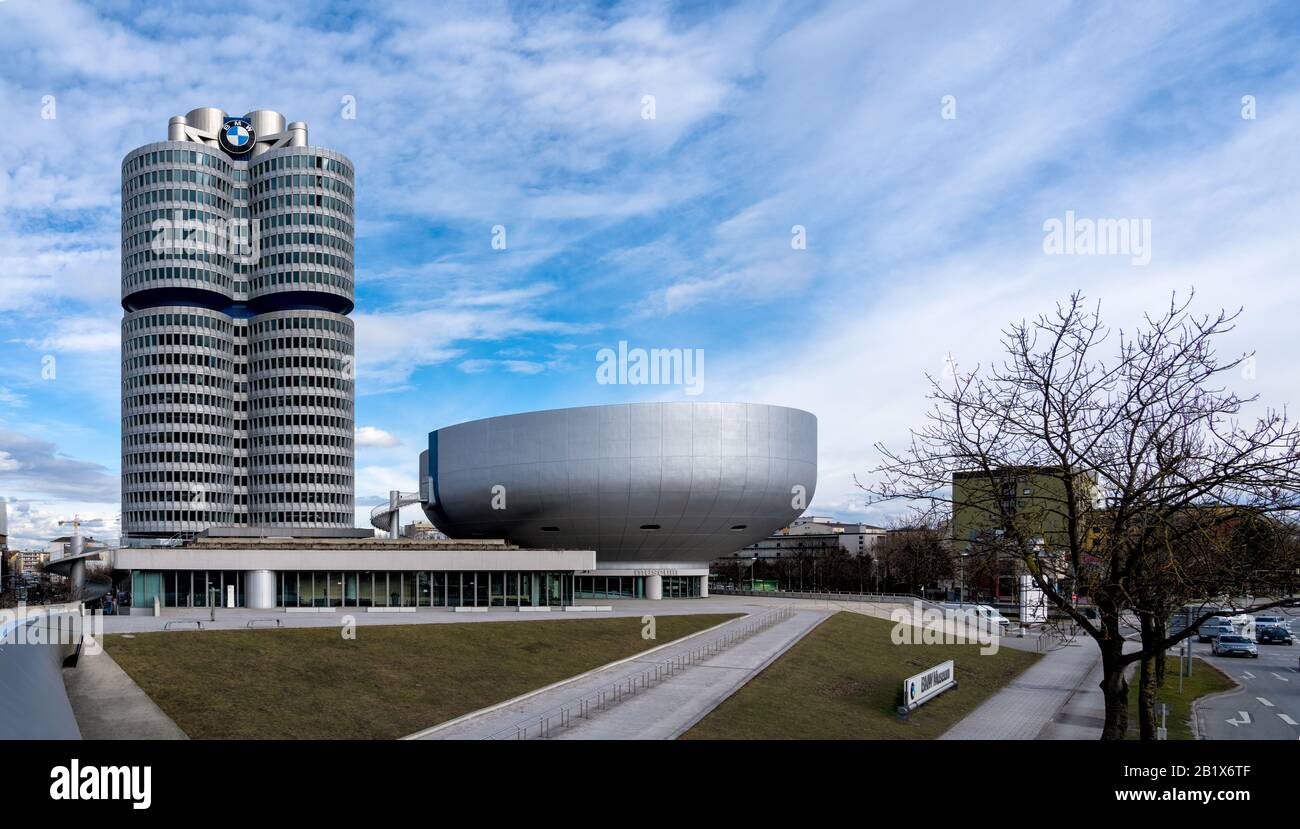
828,201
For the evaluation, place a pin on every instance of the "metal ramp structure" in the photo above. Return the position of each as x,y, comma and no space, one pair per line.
387,517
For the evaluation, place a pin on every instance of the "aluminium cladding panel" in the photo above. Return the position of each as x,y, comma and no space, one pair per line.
596,476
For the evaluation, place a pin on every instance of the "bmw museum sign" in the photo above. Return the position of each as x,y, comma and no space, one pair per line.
236,136
928,684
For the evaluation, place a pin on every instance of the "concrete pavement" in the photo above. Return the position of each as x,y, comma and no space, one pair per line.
1083,715
662,711
1026,707
109,705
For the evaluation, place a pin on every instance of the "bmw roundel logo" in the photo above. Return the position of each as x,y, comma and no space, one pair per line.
236,136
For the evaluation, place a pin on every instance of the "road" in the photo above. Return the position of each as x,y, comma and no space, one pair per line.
1267,707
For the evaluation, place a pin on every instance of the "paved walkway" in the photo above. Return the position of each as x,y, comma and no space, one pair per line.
109,705
662,711
1031,702
1083,715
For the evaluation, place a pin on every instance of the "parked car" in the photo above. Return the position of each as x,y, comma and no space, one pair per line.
1233,644
983,613
1273,635
1213,628
1272,622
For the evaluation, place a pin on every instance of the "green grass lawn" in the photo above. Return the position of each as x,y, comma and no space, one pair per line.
392,680
1205,679
843,681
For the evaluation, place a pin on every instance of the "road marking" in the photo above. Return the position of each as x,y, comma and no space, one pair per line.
1264,702
1245,719
1279,676
1287,719
1247,675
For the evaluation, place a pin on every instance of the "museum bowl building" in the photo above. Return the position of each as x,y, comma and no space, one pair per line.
657,490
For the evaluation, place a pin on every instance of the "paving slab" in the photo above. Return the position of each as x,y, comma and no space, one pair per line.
1028,704
109,705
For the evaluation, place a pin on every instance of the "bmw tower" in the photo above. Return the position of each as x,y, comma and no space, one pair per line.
237,350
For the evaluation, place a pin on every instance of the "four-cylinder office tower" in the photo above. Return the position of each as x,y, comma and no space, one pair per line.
237,351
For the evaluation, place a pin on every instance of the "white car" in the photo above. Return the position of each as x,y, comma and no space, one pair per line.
1213,628
986,615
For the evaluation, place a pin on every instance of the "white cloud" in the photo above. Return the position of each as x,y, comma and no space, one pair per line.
80,334
370,436
11,398
33,524
478,366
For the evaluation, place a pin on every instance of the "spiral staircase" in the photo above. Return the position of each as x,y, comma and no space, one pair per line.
386,516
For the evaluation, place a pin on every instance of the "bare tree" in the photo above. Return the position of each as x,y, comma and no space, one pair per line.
1146,458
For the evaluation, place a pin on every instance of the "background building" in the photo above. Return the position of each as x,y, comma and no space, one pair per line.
30,562
855,538
423,531
237,279
1026,502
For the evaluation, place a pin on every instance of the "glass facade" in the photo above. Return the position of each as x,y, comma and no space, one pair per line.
609,587
682,587
364,588
187,588
379,588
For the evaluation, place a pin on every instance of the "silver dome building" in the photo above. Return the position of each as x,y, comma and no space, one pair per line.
658,490
237,279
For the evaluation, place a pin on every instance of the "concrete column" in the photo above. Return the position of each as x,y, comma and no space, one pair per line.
654,587
259,589
395,513
76,580
704,587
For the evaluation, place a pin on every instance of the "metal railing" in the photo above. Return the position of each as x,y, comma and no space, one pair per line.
609,695
836,595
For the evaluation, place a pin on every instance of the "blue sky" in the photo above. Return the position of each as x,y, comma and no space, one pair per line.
924,233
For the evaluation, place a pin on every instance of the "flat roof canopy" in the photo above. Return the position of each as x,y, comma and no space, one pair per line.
349,557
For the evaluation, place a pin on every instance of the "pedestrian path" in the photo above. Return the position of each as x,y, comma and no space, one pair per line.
1083,716
664,710
109,705
1030,703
